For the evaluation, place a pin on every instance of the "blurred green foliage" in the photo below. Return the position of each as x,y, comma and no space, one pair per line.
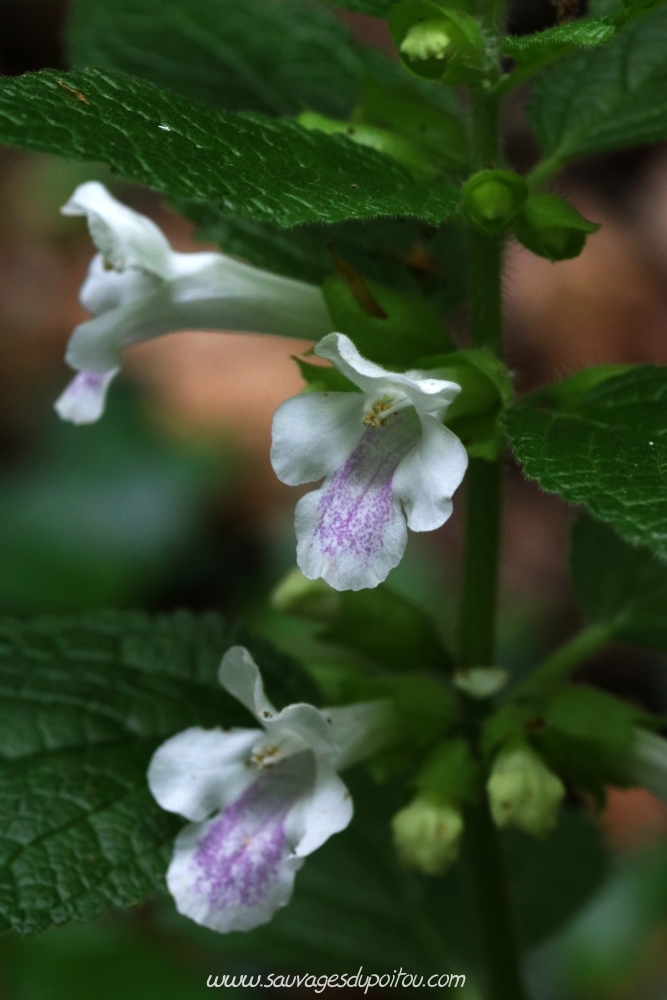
96,515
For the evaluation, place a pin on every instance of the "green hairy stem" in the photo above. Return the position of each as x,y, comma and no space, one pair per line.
478,601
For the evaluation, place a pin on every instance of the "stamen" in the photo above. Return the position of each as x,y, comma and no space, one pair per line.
380,411
266,756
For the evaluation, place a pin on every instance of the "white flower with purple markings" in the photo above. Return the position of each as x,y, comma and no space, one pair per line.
138,288
385,457
259,800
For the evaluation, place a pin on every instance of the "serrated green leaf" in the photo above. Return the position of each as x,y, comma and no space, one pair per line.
534,52
608,453
278,58
621,584
417,159
83,705
606,99
587,33
260,168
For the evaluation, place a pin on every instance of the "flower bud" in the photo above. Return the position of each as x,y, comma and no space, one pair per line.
523,792
428,40
427,835
438,44
415,158
551,227
481,682
297,595
492,197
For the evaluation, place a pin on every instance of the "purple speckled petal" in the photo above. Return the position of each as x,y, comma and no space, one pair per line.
83,400
351,532
236,870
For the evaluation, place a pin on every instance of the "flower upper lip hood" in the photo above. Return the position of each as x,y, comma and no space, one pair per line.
138,287
378,450
258,800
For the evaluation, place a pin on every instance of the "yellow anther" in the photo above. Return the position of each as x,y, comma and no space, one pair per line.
266,756
377,415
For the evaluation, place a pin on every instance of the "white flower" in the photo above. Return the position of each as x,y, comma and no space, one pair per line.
377,449
259,800
138,288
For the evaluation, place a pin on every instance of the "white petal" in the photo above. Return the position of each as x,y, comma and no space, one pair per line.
313,435
106,289
328,809
351,531
217,292
83,400
359,730
299,727
124,237
96,345
428,476
428,395
339,349
236,870
200,300
200,771
239,674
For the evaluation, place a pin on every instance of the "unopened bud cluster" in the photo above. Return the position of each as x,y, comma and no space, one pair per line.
497,200
427,835
523,792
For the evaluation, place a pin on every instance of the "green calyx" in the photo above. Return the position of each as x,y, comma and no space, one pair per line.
450,774
523,792
486,389
438,43
551,227
415,158
428,40
402,109
427,833
491,198
315,599
387,325
427,836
